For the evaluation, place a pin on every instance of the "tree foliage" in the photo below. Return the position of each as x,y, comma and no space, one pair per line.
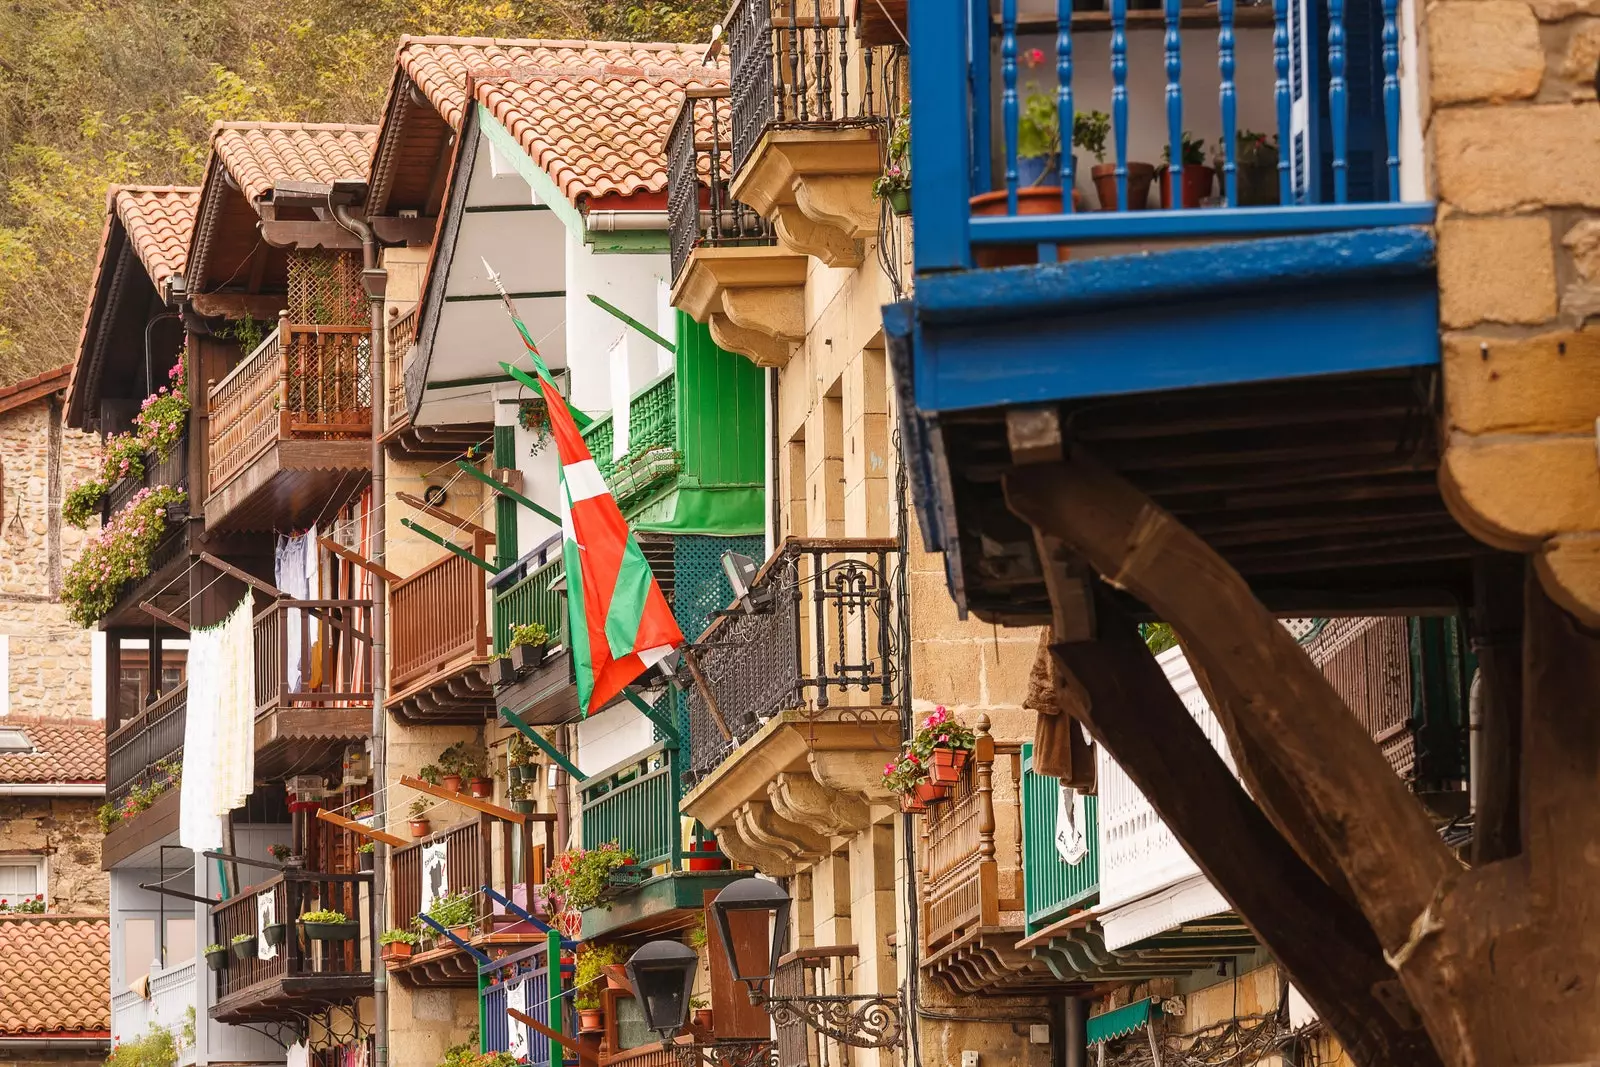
98,92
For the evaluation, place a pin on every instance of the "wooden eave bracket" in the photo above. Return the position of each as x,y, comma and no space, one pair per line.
161,616
455,522
362,829
350,555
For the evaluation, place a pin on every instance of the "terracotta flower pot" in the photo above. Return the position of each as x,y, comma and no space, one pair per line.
931,792
947,765
912,804
591,1020
1140,175
451,782
617,977
702,1019
1198,181
1037,200
419,827
396,951
463,932
481,788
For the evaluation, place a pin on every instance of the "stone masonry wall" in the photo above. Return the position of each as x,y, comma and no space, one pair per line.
63,829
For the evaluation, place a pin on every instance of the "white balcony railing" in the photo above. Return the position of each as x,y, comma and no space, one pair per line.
172,995
1148,883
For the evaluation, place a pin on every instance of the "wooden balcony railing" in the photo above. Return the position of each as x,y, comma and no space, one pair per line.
468,867
635,803
301,382
971,873
396,354
825,630
332,661
152,736
294,893
439,616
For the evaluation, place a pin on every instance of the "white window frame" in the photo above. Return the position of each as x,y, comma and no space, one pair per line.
42,879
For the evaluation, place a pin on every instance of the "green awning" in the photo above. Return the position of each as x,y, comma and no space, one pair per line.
1122,1021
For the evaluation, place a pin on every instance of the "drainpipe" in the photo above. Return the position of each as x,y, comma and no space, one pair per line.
149,373
374,279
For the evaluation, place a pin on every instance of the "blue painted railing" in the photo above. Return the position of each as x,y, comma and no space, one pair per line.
1325,73
527,969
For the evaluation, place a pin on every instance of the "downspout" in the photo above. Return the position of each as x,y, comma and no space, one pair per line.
149,373
375,280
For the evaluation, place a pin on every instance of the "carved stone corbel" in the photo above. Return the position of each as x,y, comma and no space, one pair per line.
731,843
758,825
815,187
852,771
802,799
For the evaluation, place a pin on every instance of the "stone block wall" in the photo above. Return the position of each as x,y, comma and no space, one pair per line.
64,830
1514,136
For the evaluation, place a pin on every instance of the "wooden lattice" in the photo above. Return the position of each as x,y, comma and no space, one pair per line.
325,289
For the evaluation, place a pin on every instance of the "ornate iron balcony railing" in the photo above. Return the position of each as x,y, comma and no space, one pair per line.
700,210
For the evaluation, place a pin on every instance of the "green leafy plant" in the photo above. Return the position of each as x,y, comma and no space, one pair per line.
1194,151
1158,636
578,878
589,981
453,910
119,554
528,633
154,1048
1090,131
429,773
108,815
896,176
1252,149
397,937
216,948
519,752
698,1004
534,416
238,938
249,332
143,794
941,730
466,1055
158,427
697,933
367,848
279,852
1038,126
419,809
325,915
905,772
187,1036
33,905
466,760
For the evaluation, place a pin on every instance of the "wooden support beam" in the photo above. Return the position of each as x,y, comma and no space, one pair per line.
455,522
568,1043
244,576
692,661
506,491
667,726
1497,632
1374,830
350,555
447,546
1119,692
539,742
161,616
362,829
466,800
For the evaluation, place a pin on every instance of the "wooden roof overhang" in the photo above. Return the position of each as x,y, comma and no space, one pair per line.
410,166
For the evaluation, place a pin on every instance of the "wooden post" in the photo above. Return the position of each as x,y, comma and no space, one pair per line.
1497,639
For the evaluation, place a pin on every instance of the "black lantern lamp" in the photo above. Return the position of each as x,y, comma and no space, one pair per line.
662,976
754,965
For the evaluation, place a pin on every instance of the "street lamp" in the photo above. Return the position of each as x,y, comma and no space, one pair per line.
662,976
748,957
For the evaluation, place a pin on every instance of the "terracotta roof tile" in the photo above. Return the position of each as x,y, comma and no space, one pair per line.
593,115
57,977
159,220
65,750
260,154
33,388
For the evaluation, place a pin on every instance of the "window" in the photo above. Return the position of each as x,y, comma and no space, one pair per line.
138,948
14,739
179,948
21,877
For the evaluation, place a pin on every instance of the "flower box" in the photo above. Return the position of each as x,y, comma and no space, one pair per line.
345,931
947,765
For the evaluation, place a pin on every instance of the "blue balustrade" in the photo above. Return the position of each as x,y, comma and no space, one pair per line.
1298,68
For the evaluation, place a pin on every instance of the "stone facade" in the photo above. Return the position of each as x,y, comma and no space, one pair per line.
64,830
1511,119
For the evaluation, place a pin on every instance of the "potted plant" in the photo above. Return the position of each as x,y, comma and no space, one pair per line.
397,945
455,913
1256,157
894,184
519,759
517,794
1197,177
281,853
429,773
273,933
329,925
530,643
1090,132
942,746
580,878
702,1014
706,843
244,946
501,670
907,776
450,766
419,817
365,853
587,983
611,960
216,957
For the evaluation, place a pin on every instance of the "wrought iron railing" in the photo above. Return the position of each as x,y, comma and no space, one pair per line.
313,652
439,616
700,210
294,893
171,469
635,804
1051,887
822,631
798,63
153,736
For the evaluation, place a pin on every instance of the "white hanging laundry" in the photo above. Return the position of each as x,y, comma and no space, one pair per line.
289,575
517,997
299,1055
1072,839
313,591
199,827
232,775
266,915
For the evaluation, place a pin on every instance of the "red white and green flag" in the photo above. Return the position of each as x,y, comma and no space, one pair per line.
619,622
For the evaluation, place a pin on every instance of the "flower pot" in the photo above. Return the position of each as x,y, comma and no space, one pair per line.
1258,184
524,806
273,934
702,1019
1038,200
900,202
525,772
591,1020
1140,175
912,804
501,671
617,977
419,827
451,782
527,657
364,860
482,788
217,959
1198,180
930,792
397,951
246,949
947,765
345,931
708,845
463,932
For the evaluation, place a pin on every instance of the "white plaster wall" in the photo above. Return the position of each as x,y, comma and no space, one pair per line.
611,737
629,281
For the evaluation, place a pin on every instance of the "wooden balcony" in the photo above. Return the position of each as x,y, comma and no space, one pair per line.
470,851
290,429
313,682
305,975
547,693
527,969
440,643
153,736
171,554
404,439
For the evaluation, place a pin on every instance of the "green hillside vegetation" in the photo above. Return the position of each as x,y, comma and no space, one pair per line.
124,91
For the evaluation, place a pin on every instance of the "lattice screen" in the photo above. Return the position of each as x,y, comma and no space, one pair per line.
325,289
700,588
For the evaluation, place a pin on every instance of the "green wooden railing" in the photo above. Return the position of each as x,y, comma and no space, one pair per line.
1051,887
652,426
532,600
635,803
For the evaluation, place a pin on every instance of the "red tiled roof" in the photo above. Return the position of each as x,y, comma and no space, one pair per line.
28,390
57,977
594,115
260,154
159,220
65,751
